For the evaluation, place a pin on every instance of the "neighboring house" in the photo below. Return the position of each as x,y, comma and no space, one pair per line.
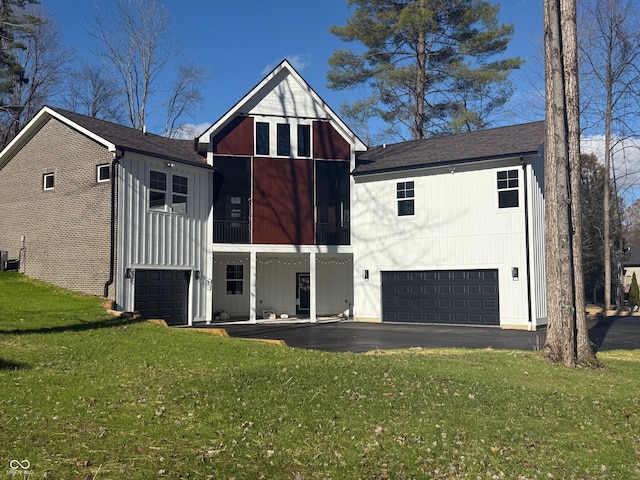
451,230
278,209
282,240
141,240
630,265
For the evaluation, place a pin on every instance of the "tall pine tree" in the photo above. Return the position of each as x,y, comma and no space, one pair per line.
427,63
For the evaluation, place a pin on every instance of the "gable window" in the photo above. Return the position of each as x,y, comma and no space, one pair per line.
157,190
262,138
284,140
405,196
102,173
304,140
507,188
234,279
48,181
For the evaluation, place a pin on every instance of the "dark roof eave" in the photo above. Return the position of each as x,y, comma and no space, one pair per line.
420,166
166,157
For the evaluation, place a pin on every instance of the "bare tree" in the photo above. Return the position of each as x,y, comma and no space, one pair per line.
93,92
138,43
610,52
43,62
567,341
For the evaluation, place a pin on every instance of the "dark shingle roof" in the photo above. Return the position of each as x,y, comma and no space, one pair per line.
499,142
133,140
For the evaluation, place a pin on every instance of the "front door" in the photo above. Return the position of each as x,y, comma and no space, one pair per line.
303,293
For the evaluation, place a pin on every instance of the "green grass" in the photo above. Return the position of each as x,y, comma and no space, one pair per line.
85,396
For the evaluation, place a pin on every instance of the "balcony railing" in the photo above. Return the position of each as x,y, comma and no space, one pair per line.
230,231
333,233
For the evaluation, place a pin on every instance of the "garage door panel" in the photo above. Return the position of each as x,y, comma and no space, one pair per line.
162,294
449,296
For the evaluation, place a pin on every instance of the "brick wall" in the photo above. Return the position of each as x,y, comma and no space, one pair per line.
66,229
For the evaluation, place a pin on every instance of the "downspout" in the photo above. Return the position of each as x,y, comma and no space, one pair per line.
526,241
117,156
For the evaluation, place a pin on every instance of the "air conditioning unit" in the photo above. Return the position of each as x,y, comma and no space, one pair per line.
4,255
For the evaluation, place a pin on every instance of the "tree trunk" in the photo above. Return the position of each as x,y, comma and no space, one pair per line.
559,346
583,351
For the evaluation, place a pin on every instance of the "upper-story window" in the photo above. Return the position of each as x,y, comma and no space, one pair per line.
405,195
304,140
48,181
262,138
284,140
507,188
164,199
103,173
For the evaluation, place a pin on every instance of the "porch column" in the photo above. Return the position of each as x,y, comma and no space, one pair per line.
312,287
252,287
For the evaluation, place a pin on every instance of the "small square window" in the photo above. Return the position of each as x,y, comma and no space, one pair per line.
284,140
405,194
48,181
262,138
103,173
235,275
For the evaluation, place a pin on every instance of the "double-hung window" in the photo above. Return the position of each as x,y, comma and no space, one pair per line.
168,197
157,190
235,275
405,196
507,188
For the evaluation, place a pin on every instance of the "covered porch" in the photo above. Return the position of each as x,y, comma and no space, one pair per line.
282,286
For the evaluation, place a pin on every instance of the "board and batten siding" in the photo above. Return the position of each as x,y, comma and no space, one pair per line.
457,225
163,240
536,236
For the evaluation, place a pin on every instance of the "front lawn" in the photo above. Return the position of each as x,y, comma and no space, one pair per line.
85,396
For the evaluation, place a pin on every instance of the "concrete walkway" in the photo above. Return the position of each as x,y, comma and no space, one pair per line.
606,333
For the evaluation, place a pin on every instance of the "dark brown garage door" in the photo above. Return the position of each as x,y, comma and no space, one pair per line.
468,297
162,294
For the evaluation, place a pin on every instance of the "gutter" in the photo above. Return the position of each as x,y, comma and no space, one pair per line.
117,156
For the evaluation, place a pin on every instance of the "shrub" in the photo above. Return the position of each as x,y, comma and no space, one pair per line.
634,292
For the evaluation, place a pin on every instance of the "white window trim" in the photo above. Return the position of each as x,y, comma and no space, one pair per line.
100,167
44,181
273,136
508,189
168,193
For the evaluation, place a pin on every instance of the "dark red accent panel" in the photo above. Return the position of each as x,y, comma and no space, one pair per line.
328,144
236,138
282,201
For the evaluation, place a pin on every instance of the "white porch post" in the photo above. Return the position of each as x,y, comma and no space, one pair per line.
312,287
252,287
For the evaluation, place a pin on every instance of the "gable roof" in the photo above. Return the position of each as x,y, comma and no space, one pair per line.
276,77
111,135
501,142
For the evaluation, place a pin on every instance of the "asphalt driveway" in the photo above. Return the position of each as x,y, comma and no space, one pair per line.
606,333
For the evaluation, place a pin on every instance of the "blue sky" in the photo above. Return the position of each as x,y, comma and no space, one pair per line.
239,41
